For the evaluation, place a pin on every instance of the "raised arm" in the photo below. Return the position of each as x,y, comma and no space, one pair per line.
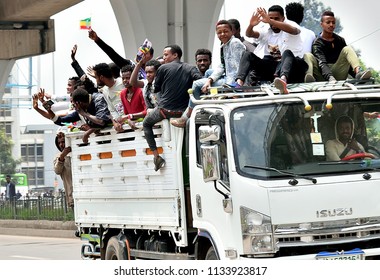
75,64
276,23
84,113
135,82
255,20
112,54
46,114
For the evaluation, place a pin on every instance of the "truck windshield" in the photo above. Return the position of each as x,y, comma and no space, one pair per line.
285,137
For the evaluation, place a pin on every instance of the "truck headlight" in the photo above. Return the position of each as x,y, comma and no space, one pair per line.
261,243
256,232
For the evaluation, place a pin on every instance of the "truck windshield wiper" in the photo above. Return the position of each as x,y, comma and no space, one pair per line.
373,164
340,162
287,173
367,164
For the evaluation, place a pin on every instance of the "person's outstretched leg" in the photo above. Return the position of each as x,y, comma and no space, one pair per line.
150,120
348,58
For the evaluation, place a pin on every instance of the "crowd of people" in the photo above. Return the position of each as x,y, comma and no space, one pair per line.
276,50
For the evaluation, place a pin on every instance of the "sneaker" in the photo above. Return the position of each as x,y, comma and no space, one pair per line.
159,162
280,85
179,122
363,75
233,85
309,78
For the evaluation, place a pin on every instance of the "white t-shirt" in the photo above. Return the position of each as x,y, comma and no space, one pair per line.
112,97
267,37
268,40
308,38
292,42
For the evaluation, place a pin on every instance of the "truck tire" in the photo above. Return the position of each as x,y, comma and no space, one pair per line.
116,249
211,254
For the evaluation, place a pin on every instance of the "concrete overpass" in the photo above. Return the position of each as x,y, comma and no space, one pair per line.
27,30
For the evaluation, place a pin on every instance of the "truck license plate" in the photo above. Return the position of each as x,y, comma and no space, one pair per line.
355,254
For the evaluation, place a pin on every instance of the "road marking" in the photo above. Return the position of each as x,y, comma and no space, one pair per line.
26,257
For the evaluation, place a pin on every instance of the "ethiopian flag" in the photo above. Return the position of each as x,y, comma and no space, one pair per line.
85,23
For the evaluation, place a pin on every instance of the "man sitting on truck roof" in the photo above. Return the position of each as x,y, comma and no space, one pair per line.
203,59
280,44
231,50
331,58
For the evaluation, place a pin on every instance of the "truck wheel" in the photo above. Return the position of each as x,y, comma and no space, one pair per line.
116,250
211,254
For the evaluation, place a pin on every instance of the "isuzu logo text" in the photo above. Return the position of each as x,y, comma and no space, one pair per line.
334,212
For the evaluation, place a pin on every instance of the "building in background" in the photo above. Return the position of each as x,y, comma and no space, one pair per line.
34,144
37,145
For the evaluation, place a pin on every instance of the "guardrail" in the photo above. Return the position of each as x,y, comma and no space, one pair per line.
52,208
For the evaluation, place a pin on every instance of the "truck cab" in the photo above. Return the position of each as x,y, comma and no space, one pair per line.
264,163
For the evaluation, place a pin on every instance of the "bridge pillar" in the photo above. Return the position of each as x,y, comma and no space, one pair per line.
5,69
187,23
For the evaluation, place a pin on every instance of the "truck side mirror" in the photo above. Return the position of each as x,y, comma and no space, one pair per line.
210,154
210,162
209,133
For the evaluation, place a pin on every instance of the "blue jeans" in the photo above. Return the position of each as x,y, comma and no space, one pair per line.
197,88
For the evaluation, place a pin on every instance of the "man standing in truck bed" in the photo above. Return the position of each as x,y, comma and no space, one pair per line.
173,79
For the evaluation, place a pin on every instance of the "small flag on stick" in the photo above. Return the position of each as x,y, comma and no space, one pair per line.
85,24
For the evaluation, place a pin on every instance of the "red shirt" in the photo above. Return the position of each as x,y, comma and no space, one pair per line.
137,103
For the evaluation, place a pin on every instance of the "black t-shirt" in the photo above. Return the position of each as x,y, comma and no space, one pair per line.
172,81
327,52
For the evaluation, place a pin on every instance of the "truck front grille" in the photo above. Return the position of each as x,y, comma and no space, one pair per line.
312,234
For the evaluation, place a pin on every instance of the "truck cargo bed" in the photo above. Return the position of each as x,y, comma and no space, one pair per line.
115,184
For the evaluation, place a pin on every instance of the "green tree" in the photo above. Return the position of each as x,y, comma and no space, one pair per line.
7,162
312,17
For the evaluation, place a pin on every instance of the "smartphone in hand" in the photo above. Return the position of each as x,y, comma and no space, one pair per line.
47,105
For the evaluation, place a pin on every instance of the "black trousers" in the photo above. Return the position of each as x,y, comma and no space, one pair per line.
293,68
264,69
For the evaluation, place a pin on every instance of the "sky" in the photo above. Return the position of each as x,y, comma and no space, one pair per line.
361,28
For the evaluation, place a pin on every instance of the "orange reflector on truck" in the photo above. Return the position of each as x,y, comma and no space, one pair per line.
128,153
149,151
85,157
105,155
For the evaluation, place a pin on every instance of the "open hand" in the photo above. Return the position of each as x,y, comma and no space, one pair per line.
90,71
41,95
263,15
255,19
35,101
74,52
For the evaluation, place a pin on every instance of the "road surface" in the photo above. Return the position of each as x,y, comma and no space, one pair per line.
39,248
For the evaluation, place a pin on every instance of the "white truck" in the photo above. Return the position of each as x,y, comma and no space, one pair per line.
247,178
